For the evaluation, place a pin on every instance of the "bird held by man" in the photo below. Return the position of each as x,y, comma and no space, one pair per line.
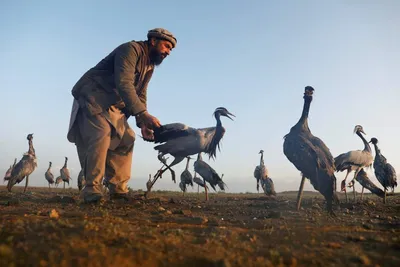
181,141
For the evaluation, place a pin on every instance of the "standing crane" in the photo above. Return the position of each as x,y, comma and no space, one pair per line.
81,180
384,171
260,172
199,183
24,167
49,175
7,176
180,141
58,181
186,177
354,161
208,174
64,173
268,186
311,156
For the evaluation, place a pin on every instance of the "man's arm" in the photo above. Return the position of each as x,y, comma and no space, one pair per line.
124,72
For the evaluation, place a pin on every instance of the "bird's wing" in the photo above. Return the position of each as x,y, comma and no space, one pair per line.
391,175
186,176
353,158
363,179
305,155
182,146
324,151
171,131
257,172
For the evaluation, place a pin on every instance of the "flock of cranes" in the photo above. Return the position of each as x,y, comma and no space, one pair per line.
308,153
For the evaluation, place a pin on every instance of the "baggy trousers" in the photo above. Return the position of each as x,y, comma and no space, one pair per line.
102,152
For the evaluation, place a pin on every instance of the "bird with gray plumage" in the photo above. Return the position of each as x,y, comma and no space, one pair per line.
58,181
7,175
364,180
49,175
186,177
24,167
311,156
384,171
354,161
180,141
208,174
81,180
64,172
260,172
199,182
268,186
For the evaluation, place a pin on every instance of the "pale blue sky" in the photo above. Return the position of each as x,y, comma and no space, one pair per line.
254,58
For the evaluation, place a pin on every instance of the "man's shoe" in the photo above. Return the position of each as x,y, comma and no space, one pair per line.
92,198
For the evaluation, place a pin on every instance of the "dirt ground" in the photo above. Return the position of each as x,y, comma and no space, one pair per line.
42,228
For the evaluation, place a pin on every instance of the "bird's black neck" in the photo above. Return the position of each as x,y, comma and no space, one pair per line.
262,159
218,134
377,150
187,164
303,121
366,145
31,150
65,163
49,167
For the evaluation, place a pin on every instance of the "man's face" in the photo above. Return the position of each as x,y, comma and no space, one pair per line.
159,49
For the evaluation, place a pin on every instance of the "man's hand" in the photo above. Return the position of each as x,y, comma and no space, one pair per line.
149,121
147,134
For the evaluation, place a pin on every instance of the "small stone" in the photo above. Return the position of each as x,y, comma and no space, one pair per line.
168,212
161,209
54,214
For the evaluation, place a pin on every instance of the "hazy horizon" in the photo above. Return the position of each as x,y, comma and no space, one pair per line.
253,58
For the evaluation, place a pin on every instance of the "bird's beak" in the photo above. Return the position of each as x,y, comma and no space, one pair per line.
228,113
369,142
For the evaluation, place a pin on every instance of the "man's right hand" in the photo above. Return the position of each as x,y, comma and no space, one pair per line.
149,121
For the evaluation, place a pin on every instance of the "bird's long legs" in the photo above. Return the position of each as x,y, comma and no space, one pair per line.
300,194
353,182
362,193
343,186
258,185
384,196
26,183
205,188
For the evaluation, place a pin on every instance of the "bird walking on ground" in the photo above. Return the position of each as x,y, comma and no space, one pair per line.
7,175
199,182
260,172
64,173
58,181
268,186
186,177
24,167
311,156
180,141
364,180
354,160
208,174
384,171
49,175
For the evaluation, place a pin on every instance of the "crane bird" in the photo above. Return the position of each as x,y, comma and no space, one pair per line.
208,174
64,173
384,171
180,141
58,181
311,156
81,180
24,167
7,176
260,172
268,186
354,160
49,175
364,180
186,177
199,183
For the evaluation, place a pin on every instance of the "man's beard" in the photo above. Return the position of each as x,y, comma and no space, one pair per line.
156,57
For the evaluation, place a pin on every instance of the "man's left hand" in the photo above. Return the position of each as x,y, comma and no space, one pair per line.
148,134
